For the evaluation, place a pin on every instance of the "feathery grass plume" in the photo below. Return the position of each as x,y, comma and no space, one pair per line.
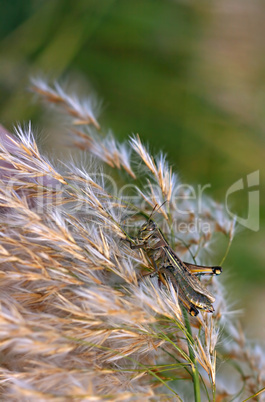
105,148
80,319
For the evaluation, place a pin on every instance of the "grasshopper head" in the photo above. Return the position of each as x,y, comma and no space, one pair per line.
146,230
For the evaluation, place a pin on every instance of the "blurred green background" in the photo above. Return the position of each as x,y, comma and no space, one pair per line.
188,76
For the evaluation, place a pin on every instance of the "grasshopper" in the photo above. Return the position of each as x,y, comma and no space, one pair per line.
183,276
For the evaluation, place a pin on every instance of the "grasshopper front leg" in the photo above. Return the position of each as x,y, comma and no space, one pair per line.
142,246
135,246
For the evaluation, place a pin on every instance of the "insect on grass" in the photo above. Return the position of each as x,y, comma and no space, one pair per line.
191,292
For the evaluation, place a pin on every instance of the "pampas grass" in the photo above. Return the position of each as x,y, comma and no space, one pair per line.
80,319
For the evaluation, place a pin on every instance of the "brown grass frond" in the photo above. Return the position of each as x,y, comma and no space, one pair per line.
82,315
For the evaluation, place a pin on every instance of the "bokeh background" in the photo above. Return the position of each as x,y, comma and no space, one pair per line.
188,76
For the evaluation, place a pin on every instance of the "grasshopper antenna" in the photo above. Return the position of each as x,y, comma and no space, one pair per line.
155,211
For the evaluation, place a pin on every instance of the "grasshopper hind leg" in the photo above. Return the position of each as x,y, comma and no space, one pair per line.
217,270
193,311
202,270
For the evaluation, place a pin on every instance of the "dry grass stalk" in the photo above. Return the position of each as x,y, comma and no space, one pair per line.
77,323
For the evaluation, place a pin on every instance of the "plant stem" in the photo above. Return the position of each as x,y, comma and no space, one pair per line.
194,368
